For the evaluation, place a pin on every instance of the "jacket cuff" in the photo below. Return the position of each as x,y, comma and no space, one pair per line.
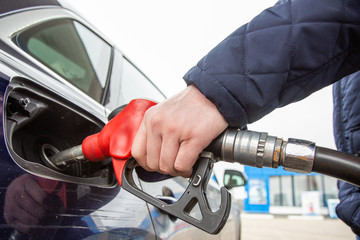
213,90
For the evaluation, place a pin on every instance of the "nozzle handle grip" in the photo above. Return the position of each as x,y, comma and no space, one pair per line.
211,222
116,138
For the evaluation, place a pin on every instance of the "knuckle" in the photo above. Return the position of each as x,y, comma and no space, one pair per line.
138,154
180,167
135,153
167,168
152,166
171,128
153,119
164,169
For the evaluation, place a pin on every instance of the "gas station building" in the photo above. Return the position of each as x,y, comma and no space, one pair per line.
278,191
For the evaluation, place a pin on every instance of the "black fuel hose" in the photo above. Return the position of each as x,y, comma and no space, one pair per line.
337,164
258,149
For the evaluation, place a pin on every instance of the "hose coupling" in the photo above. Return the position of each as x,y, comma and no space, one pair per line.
298,155
258,149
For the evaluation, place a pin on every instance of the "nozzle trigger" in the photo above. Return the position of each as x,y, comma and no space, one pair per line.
211,222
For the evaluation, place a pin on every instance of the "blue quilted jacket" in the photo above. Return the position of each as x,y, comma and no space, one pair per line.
347,139
283,55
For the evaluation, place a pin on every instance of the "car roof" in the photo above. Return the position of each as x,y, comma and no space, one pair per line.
12,5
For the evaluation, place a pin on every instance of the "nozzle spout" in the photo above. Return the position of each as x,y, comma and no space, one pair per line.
68,156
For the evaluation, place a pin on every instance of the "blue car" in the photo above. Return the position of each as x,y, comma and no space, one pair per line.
61,81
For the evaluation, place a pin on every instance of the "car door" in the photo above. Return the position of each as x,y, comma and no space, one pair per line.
57,73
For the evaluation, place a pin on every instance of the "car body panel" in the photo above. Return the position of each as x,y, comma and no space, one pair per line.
74,211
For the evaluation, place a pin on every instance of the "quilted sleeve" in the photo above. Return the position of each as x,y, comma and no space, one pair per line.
348,209
283,55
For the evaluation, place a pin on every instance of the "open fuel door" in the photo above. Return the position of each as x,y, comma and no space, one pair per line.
38,123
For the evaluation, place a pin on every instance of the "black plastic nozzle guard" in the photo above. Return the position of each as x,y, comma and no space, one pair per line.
211,222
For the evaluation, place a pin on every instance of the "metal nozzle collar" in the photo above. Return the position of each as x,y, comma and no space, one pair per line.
298,155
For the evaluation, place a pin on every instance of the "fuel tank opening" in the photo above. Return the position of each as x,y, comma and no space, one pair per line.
47,151
38,124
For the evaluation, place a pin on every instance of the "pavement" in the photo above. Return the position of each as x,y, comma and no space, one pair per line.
280,227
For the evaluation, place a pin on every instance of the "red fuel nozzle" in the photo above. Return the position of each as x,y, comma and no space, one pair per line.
114,140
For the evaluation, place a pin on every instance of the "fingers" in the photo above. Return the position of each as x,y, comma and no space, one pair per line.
138,149
23,222
24,203
153,149
35,198
168,153
174,132
171,157
35,191
157,143
186,158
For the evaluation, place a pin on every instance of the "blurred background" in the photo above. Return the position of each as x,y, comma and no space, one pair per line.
166,38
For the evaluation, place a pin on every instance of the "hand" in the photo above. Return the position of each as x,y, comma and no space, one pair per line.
24,203
174,133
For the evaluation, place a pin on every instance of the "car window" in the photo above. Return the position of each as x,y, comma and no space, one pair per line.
233,178
134,84
71,50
